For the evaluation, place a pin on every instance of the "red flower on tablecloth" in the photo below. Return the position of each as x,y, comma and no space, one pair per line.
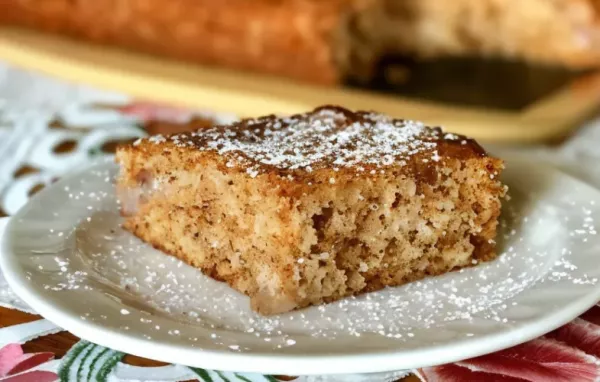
15,365
147,112
569,353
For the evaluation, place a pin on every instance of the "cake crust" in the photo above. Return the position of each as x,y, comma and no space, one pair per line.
311,208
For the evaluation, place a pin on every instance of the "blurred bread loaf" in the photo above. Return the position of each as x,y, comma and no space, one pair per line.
563,32
324,41
309,40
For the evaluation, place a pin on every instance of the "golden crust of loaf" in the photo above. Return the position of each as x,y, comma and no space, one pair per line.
266,35
289,236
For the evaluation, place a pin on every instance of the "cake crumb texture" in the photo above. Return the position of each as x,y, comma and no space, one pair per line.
308,209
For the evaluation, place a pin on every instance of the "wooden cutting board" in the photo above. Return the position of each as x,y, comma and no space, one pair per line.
551,115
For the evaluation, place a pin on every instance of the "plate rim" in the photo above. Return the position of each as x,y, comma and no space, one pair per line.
270,362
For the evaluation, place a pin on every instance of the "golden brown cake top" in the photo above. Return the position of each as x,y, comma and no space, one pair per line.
328,137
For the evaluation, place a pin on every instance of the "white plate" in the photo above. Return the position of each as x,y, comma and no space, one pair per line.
66,256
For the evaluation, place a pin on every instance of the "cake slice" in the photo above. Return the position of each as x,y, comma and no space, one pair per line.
311,208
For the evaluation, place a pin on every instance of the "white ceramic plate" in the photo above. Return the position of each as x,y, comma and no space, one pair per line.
66,256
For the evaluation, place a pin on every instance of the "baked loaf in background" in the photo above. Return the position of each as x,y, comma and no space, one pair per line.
309,40
311,208
324,41
562,32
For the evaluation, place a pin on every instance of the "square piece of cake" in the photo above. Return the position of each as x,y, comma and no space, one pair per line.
308,209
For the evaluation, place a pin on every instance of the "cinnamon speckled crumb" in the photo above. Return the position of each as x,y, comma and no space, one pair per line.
311,208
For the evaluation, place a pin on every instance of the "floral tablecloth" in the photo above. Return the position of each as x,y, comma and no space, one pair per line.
48,127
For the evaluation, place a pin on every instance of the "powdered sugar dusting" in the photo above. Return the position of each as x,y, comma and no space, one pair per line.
329,136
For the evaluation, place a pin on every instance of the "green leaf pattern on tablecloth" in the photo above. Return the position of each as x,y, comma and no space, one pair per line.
109,363
88,362
69,359
242,378
219,376
203,374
